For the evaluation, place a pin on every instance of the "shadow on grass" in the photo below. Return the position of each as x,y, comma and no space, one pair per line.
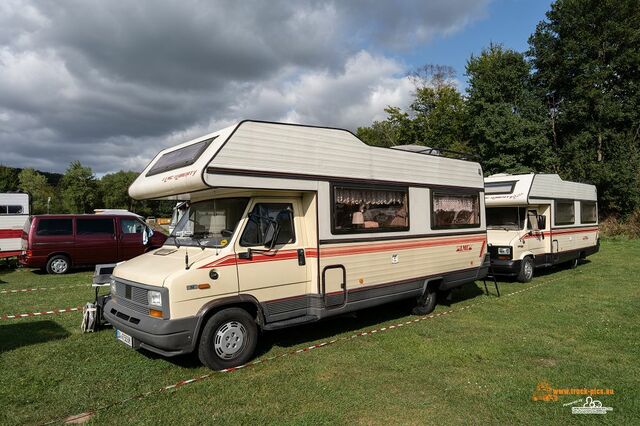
543,272
71,272
330,327
13,336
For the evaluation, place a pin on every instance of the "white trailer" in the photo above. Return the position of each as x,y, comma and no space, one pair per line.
289,224
14,212
539,220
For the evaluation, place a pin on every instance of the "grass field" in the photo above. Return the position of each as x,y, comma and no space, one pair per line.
478,363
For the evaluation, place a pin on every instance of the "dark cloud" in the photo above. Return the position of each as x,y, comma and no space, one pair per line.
112,82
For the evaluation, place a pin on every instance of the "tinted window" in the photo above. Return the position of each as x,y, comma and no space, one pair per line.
54,227
11,209
94,226
258,222
565,213
131,226
360,209
179,158
588,212
449,210
499,187
510,218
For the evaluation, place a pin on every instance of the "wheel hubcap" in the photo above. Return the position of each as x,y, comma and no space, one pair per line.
528,270
59,266
230,339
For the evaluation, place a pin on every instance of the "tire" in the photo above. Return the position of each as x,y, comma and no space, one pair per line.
222,332
573,264
58,264
427,303
526,270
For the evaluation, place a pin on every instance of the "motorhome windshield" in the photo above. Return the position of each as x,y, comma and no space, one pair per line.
209,223
507,218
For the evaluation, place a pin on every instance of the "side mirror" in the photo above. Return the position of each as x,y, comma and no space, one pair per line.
270,236
542,222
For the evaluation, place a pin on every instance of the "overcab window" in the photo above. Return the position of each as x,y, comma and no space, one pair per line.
365,209
450,210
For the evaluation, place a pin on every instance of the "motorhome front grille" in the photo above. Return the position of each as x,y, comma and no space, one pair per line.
133,293
133,306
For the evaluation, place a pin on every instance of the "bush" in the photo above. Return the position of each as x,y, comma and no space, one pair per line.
615,227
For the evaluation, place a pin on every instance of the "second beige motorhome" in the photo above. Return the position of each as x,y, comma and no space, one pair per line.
289,224
539,220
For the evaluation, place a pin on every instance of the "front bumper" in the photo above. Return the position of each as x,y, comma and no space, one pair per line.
509,268
166,337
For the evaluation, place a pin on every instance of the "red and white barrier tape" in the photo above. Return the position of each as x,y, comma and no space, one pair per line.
90,413
28,290
38,314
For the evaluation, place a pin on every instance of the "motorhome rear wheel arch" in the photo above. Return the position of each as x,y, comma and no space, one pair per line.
357,226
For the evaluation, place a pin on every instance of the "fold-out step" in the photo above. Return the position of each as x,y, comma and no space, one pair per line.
290,322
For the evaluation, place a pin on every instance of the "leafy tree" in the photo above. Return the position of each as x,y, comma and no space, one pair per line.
8,179
35,184
587,68
114,188
79,189
435,118
506,119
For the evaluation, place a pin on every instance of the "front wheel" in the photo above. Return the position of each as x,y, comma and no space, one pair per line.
526,270
228,339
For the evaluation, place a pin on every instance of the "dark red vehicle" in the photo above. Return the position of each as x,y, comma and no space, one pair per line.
59,242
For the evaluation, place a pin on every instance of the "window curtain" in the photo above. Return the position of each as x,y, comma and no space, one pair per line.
350,197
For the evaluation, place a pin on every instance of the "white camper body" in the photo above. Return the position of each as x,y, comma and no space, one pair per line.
288,224
538,220
14,212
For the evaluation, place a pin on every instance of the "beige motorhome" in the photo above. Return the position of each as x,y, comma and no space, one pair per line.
289,224
539,220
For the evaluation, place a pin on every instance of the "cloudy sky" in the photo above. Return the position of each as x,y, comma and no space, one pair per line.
112,82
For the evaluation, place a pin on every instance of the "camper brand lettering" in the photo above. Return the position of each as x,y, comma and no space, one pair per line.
179,176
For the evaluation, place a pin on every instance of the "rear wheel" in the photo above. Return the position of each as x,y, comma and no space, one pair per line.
58,264
427,303
574,263
228,339
526,270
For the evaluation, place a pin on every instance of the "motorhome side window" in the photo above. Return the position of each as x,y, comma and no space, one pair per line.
51,227
450,210
259,219
565,213
360,209
11,210
588,212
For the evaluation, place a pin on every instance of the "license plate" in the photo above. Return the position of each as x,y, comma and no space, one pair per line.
124,338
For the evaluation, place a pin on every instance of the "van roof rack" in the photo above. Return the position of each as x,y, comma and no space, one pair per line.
440,152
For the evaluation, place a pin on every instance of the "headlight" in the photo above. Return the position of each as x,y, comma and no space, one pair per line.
113,286
504,250
154,298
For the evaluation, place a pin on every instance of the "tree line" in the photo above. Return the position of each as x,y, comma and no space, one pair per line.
78,190
570,104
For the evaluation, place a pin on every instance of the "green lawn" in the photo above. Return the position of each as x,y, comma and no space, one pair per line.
479,363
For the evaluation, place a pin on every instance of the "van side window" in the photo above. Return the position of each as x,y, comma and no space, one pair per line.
565,213
94,226
588,212
54,227
450,210
364,209
257,224
131,226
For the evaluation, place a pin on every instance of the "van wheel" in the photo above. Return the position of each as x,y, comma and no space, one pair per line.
58,264
228,339
427,303
526,270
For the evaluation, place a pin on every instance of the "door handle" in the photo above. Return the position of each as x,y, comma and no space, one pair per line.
301,258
